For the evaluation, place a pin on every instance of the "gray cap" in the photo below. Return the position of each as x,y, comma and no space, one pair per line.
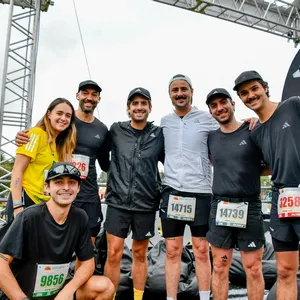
246,76
218,92
181,77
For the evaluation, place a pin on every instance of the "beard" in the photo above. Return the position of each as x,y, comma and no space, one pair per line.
86,110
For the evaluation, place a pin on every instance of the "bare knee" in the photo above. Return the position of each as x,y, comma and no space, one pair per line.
114,256
253,270
139,255
174,252
285,272
220,269
96,286
201,252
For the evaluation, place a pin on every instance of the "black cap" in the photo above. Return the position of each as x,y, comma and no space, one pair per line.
89,83
139,91
216,93
246,76
63,169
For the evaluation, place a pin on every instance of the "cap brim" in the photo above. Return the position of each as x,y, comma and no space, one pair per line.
95,87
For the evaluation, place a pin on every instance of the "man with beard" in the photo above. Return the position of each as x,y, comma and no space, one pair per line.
235,217
36,252
90,145
277,135
133,188
187,185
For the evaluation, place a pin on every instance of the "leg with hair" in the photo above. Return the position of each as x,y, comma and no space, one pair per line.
252,263
173,265
203,266
287,266
115,246
96,288
139,267
221,263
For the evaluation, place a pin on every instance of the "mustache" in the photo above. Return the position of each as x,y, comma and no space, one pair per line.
89,101
180,97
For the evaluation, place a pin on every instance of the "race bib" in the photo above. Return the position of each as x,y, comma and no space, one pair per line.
232,214
289,203
50,279
181,208
81,162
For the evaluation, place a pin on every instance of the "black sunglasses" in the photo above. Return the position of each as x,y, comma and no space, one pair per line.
63,170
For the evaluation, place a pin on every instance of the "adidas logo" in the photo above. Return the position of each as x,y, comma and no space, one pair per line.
137,90
196,121
215,92
99,220
148,234
252,245
243,142
285,125
152,134
97,136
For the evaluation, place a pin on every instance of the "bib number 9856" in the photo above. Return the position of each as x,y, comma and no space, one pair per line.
52,280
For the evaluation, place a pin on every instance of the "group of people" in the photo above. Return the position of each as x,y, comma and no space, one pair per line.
222,208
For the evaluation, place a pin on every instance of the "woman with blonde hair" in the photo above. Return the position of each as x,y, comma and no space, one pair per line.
53,139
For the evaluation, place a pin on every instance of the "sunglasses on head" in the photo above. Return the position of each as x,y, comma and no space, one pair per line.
63,170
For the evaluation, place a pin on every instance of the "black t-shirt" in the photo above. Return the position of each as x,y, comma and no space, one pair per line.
35,238
237,163
91,142
279,140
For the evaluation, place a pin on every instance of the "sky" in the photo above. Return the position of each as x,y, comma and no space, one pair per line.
133,43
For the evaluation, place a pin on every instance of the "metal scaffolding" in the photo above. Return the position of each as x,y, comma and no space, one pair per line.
276,17
17,90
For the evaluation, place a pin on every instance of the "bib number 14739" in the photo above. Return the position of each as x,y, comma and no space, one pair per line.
232,214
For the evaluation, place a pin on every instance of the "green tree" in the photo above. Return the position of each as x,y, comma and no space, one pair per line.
6,166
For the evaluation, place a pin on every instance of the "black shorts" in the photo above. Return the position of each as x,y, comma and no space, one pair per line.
246,239
202,206
93,210
285,229
119,222
280,246
174,228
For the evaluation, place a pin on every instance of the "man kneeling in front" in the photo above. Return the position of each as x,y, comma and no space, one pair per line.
36,252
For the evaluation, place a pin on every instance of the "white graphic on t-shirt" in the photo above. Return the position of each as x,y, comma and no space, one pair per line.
97,136
148,234
285,125
243,142
32,142
152,135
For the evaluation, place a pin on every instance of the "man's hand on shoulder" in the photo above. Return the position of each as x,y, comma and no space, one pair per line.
252,122
22,138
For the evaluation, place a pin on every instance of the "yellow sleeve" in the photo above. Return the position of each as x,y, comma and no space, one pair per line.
38,138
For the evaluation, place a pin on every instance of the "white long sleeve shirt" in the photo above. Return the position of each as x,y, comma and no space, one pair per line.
187,167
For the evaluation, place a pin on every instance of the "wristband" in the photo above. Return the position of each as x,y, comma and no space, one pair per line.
17,202
15,207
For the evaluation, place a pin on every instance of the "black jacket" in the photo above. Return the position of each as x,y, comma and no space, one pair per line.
133,181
